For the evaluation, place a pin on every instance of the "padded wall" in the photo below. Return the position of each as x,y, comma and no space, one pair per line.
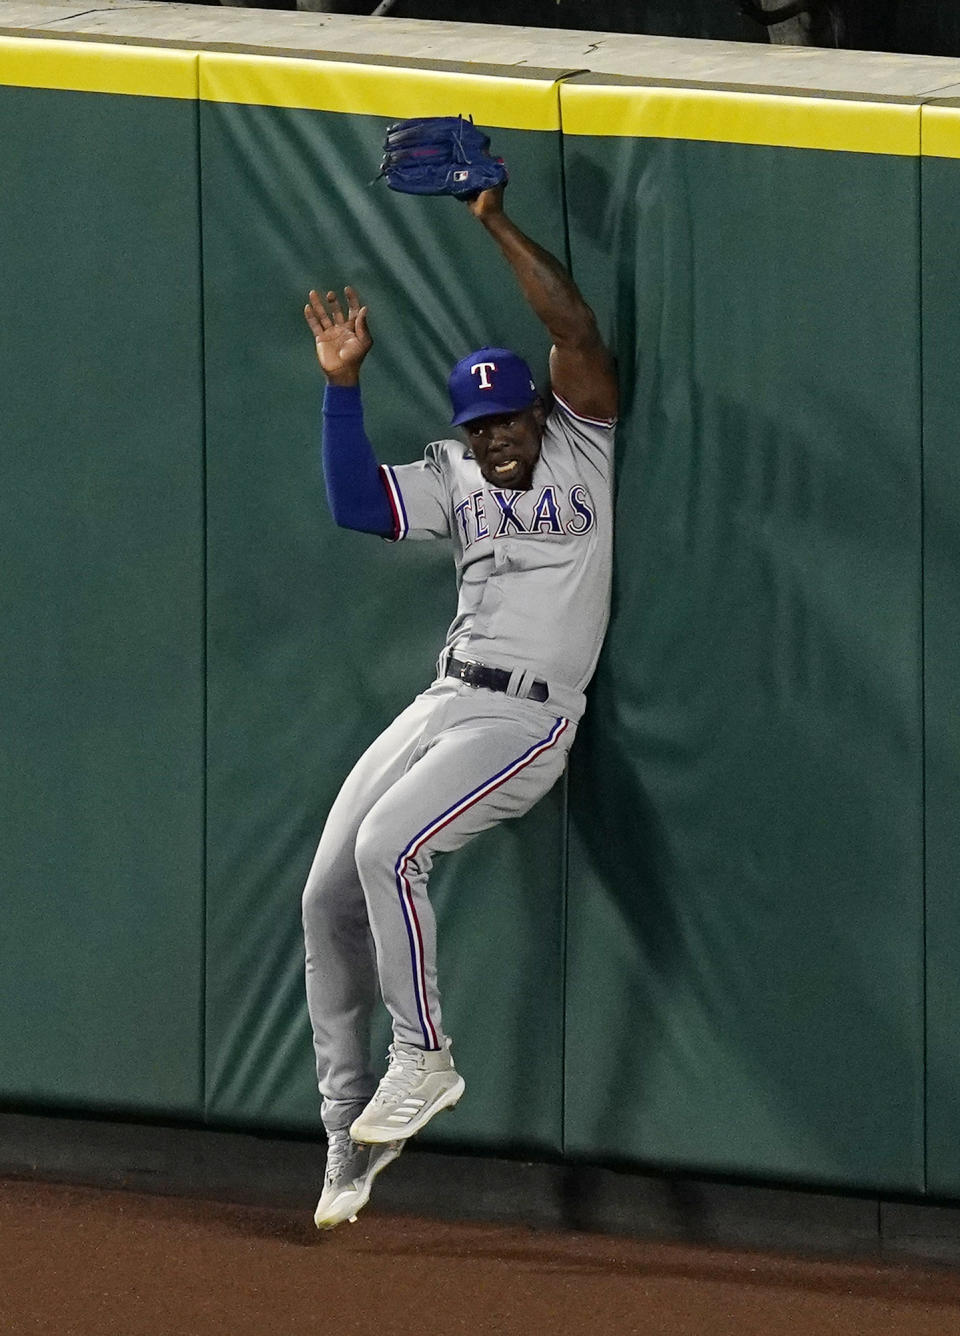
745,959
101,594
318,637
194,656
941,412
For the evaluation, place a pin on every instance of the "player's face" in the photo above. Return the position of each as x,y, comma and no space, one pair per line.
507,446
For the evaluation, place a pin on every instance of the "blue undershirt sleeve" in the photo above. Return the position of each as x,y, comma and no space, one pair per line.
355,489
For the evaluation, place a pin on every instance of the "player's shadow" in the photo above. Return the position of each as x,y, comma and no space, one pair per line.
627,849
623,848
623,851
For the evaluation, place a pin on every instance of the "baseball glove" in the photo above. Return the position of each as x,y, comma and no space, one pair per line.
439,155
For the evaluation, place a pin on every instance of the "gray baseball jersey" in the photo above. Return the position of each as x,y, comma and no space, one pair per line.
533,570
533,567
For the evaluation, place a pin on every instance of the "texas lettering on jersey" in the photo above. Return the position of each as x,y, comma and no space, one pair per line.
491,512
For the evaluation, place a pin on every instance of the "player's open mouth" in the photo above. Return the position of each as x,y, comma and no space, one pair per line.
503,470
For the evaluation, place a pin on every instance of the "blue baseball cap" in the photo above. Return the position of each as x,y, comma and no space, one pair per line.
491,380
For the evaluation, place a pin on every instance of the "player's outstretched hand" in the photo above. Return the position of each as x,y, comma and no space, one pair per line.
486,203
343,340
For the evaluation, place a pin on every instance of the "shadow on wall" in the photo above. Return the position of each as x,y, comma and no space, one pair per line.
745,891
756,884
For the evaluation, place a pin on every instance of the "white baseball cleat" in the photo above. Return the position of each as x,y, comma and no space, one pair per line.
349,1177
419,1083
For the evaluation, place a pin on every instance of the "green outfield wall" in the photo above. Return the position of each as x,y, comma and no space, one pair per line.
749,889
101,586
941,501
729,942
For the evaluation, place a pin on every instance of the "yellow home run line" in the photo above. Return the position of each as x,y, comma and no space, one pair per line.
522,100
780,120
518,102
98,67
940,130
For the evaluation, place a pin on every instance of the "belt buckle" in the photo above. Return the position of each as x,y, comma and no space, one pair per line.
470,672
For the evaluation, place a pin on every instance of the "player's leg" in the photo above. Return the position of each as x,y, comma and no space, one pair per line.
490,761
341,977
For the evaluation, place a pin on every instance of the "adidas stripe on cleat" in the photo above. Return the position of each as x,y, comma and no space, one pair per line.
419,1083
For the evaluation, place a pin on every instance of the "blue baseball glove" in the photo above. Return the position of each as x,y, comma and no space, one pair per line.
440,155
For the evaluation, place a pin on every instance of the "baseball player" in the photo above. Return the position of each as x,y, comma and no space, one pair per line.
525,500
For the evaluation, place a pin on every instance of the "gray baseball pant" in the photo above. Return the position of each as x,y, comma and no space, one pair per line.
456,761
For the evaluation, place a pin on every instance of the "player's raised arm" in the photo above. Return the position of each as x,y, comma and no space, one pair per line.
581,367
355,488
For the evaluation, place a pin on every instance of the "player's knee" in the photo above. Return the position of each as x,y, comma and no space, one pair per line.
310,901
332,909
321,893
376,848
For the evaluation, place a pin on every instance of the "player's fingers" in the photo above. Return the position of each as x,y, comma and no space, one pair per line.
316,329
336,310
353,302
319,310
361,325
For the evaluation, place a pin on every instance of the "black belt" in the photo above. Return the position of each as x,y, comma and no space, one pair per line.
494,679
